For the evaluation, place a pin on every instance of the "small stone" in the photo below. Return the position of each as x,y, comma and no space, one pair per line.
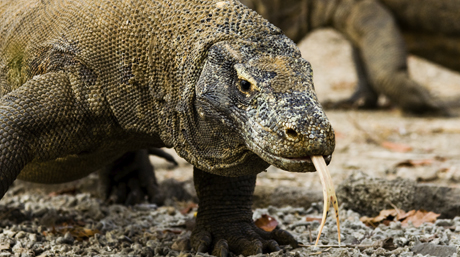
152,244
181,244
111,238
434,250
395,225
20,234
66,239
406,254
401,241
33,237
18,247
171,210
444,223
182,254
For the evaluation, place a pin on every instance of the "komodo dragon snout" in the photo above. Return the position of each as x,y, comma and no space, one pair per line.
269,103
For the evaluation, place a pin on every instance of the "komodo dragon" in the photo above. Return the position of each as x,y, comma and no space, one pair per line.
84,82
380,31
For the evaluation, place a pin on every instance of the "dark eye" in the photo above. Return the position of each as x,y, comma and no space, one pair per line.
245,85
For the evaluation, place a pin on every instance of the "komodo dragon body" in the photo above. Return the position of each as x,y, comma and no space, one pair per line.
84,82
381,33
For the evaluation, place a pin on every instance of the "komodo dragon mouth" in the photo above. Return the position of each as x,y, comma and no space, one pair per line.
294,164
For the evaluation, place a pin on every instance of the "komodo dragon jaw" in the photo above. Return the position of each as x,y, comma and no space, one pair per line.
268,102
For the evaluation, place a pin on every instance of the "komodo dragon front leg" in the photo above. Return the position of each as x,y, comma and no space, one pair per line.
48,136
40,121
225,218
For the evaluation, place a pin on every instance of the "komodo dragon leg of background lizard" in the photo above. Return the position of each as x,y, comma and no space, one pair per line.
364,96
373,30
376,33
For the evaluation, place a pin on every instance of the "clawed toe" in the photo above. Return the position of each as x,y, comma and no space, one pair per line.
221,248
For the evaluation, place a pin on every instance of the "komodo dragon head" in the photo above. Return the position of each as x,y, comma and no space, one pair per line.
254,99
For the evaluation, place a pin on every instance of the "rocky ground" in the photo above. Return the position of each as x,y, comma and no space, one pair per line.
381,144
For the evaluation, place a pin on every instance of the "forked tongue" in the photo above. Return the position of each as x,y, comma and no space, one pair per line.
328,193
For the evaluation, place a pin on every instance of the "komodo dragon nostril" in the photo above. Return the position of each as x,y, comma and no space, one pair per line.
290,133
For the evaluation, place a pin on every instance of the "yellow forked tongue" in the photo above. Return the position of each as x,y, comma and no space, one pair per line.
328,193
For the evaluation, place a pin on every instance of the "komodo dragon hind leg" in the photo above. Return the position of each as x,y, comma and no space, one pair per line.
162,154
224,221
130,179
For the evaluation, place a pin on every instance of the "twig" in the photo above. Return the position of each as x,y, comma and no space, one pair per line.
368,136
340,246
394,206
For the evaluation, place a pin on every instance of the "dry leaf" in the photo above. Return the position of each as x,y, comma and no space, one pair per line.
419,217
396,147
173,231
76,229
313,219
67,191
404,214
342,85
339,135
266,223
386,216
188,208
415,163
81,233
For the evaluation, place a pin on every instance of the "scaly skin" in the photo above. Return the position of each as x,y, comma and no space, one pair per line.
85,83
380,31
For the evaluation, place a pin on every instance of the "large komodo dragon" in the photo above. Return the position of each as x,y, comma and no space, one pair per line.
381,32
83,82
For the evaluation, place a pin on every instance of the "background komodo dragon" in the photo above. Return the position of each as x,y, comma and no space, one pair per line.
84,82
380,32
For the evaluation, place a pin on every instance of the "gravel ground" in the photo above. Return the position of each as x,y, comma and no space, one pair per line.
85,226
34,223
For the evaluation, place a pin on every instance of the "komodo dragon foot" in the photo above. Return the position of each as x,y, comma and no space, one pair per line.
224,222
131,178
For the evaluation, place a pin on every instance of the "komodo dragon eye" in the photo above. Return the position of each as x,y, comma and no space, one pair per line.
245,86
